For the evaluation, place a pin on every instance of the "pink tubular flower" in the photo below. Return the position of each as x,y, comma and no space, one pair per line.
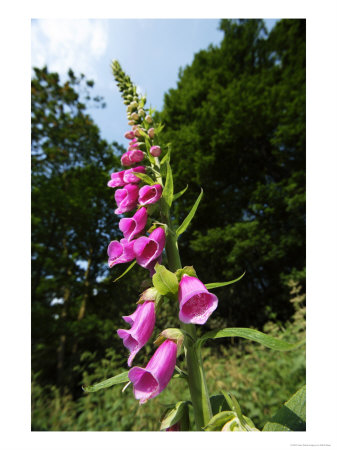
151,381
142,323
126,198
129,135
149,249
129,177
133,226
120,252
155,150
150,194
117,179
195,302
131,157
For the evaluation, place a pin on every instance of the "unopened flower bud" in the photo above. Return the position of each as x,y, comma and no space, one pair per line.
148,119
134,116
151,133
137,132
131,122
141,112
133,104
129,135
155,150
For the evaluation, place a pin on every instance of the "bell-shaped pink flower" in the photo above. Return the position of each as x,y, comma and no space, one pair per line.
150,194
126,198
133,226
149,249
131,157
142,323
117,179
129,177
196,303
120,252
151,381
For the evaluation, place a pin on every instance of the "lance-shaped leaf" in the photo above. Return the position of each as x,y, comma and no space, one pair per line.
121,378
164,281
253,335
144,178
174,415
168,188
292,415
166,157
190,216
125,271
179,194
224,283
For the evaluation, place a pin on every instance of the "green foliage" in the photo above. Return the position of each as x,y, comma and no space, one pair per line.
75,306
236,122
292,415
260,379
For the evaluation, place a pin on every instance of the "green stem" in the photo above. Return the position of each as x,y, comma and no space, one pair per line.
196,375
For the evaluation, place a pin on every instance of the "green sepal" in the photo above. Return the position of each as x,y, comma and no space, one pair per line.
253,335
144,178
219,420
292,415
179,413
187,270
190,215
175,334
237,425
150,295
224,283
164,281
121,378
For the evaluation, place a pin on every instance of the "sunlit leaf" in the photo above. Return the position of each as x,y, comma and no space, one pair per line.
121,378
190,216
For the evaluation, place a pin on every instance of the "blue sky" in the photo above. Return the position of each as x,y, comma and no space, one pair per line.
151,51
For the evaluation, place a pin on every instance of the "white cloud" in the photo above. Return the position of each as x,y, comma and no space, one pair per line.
62,44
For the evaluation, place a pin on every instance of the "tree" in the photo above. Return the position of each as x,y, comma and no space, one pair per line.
72,224
236,122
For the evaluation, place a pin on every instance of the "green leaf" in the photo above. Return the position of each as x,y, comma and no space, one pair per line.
121,378
164,281
174,415
225,283
166,157
218,421
190,216
292,415
253,335
144,178
168,188
179,194
126,271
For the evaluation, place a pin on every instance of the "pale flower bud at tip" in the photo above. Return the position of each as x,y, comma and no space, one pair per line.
151,133
148,119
